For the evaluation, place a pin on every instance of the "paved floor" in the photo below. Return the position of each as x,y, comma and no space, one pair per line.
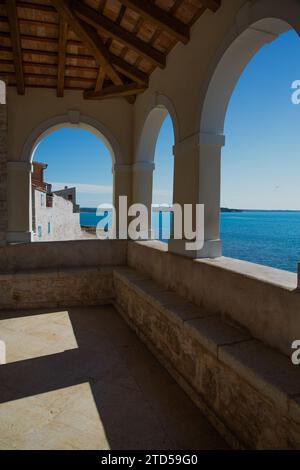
81,379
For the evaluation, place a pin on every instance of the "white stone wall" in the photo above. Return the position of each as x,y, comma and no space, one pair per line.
54,223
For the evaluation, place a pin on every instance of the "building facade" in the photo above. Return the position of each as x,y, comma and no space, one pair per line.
55,214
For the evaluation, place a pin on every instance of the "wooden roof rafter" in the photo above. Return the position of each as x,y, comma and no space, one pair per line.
11,8
62,49
105,48
161,18
102,23
88,37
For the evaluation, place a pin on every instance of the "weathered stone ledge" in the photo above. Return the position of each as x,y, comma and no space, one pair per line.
249,391
56,287
264,300
63,254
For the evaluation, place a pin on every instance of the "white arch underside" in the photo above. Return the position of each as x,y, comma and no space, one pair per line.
230,68
64,121
159,108
256,24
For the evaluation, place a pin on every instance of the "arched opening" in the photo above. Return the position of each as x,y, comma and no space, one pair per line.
72,176
154,168
162,193
244,101
22,221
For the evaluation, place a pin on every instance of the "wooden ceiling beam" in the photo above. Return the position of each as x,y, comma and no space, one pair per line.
115,92
100,79
120,64
176,6
129,70
89,37
43,65
160,18
36,6
50,77
62,50
102,23
11,9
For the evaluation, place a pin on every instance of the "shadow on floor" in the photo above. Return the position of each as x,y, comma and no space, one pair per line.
82,379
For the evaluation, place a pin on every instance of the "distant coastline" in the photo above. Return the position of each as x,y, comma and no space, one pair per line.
226,209
223,209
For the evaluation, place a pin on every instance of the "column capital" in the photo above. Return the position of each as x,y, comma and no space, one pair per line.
207,138
196,140
143,166
121,168
19,166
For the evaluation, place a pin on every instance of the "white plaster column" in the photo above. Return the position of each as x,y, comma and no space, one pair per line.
122,186
197,181
19,202
143,186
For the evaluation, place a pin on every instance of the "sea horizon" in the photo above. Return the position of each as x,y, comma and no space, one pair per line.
157,207
266,237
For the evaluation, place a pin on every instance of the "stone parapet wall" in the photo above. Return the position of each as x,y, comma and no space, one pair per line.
264,300
56,288
249,392
66,254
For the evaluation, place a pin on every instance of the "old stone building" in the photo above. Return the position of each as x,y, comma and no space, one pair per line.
55,214
78,318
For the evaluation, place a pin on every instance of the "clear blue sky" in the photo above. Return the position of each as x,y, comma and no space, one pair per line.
261,159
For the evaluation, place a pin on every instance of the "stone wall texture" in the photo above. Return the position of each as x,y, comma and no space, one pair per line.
56,288
67,254
249,392
264,300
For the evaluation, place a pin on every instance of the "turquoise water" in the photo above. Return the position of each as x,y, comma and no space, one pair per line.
268,238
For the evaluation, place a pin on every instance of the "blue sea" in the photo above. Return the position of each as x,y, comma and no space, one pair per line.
267,238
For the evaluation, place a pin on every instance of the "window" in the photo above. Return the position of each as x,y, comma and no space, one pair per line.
42,200
49,228
40,232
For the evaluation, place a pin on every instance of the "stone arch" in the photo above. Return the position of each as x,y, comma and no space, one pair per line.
73,119
256,25
160,106
158,109
20,213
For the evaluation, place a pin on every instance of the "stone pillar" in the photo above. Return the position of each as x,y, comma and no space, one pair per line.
122,187
197,181
19,202
143,187
3,169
